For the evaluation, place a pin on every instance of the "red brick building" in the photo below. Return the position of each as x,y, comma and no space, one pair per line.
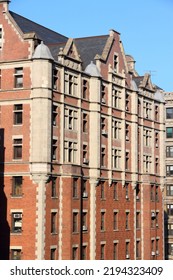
81,147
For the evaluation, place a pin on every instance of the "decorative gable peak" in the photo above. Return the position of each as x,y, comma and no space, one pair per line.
71,51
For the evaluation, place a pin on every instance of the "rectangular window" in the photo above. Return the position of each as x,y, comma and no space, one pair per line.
170,249
53,222
102,253
156,139
85,154
75,222
169,170
170,229
127,161
156,165
70,151
17,148
169,151
53,253
169,113
55,79
17,186
170,209
116,98
102,190
115,220
102,221
54,115
116,129
16,226
127,190
115,190
156,113
85,122
115,63
54,149
127,102
84,221
127,132
127,250
70,119
116,158
0,38
84,252
18,76
169,190
147,110
18,113
152,193
127,220
147,163
75,188
169,132
85,89
103,156
115,251
103,94
74,253
138,251
137,220
16,254
53,187
71,83
147,137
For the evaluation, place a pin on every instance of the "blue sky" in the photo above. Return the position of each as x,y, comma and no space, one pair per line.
146,27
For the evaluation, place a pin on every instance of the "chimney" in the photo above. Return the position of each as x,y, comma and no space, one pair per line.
5,4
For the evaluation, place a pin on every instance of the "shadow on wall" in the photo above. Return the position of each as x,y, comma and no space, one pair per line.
4,226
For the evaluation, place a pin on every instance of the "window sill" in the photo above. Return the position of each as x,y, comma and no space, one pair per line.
15,233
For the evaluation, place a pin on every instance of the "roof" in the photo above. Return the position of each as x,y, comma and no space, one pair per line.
46,35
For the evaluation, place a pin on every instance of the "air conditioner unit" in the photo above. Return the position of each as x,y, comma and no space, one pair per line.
84,228
70,126
153,253
127,256
157,225
104,132
157,145
127,197
137,197
127,108
127,137
157,252
17,216
103,100
85,194
85,160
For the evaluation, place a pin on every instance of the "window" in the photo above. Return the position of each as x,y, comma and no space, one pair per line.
54,149
85,154
74,253
170,209
147,163
115,190
156,139
115,63
17,186
18,110
17,148
116,158
102,251
16,254
127,161
169,113
170,229
102,190
103,156
127,102
55,79
70,119
53,253
115,251
127,131
84,89
71,83
103,126
147,110
156,165
116,129
83,253
152,192
138,220
169,151
156,113
157,193
138,251
84,221
18,76
115,220
0,38
70,151
147,137
84,189
169,170
85,122
127,248
127,190
169,132
75,222
170,249
102,221
16,222
53,187
53,222
137,192
54,115
169,190
75,188
116,98
127,220
103,94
